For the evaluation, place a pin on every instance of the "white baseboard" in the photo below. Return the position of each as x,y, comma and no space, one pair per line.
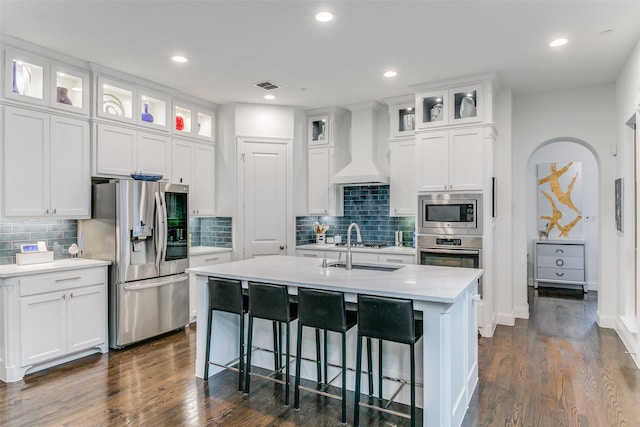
629,339
521,312
507,319
608,322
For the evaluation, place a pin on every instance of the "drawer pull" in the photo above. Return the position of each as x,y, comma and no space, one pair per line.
311,255
399,261
559,262
561,251
211,259
559,274
68,279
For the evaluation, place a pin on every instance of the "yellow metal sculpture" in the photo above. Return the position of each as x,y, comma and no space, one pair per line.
563,197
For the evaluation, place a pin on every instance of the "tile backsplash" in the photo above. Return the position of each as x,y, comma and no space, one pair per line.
368,206
211,232
58,235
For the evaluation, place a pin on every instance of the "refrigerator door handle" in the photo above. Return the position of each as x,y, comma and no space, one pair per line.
136,286
159,229
165,227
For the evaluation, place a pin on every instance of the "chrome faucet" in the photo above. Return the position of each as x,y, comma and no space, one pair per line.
349,263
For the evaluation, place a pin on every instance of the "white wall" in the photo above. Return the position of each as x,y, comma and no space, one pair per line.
627,101
563,152
268,121
586,114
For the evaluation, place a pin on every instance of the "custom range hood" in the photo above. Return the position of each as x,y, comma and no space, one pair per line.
368,155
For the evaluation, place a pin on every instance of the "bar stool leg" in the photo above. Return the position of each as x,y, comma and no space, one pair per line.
370,365
247,383
413,385
318,360
208,349
326,359
276,365
296,391
380,369
286,397
241,352
356,408
344,375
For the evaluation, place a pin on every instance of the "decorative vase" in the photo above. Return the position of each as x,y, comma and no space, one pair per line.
63,96
436,113
179,123
146,117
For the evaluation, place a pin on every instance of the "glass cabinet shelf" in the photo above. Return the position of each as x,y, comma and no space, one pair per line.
153,111
406,119
28,79
454,106
205,125
465,104
117,101
71,89
402,116
194,122
183,120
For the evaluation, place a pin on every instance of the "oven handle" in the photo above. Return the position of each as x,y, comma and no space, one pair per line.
451,251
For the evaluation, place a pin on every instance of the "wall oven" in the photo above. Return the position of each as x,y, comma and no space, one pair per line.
450,213
450,251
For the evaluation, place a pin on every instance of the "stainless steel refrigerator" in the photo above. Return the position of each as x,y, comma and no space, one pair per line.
142,228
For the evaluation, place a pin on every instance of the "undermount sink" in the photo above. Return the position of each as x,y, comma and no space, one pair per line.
372,267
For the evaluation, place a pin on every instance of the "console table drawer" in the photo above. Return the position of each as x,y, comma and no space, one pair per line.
544,249
568,274
560,262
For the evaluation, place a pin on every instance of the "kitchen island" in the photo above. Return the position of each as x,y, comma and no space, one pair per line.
445,297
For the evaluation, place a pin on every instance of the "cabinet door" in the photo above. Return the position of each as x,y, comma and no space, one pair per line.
432,154
182,163
153,154
26,163
402,179
86,317
115,150
70,176
318,181
43,327
202,192
466,160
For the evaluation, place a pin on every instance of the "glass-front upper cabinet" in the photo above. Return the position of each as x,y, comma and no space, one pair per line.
319,130
452,106
402,116
115,100
36,80
194,121
153,109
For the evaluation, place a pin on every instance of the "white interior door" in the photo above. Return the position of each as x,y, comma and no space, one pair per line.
265,199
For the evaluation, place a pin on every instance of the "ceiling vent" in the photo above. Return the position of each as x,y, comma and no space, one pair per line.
267,85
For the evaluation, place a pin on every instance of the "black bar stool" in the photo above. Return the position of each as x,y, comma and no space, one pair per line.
226,295
271,302
388,319
323,310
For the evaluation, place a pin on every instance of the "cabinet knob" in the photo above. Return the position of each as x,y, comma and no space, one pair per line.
55,211
559,251
281,247
559,274
559,262
64,296
71,295
180,180
46,212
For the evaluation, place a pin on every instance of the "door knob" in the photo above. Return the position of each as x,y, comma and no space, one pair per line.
281,247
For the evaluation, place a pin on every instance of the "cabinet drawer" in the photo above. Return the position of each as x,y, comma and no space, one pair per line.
209,259
559,262
564,274
397,259
560,250
50,282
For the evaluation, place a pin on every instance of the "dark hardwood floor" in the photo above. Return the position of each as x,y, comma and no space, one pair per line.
555,369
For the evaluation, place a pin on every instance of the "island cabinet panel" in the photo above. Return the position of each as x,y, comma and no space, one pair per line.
51,317
202,260
446,356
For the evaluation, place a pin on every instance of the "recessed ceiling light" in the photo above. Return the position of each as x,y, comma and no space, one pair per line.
269,97
558,42
179,58
390,73
324,16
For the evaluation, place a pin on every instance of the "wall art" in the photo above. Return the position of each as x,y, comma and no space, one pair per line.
560,200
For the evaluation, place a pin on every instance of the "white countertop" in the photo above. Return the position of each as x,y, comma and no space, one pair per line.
202,250
418,282
394,250
13,270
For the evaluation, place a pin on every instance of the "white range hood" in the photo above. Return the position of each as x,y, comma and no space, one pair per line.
367,155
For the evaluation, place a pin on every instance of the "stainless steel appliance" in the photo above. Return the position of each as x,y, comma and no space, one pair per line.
142,228
450,213
450,251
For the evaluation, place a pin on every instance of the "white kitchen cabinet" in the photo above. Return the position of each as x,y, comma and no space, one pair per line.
328,139
381,256
52,317
121,151
402,116
39,81
190,120
453,160
402,178
49,156
193,163
323,198
202,260
450,106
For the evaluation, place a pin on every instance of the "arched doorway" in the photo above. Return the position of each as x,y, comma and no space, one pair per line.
562,151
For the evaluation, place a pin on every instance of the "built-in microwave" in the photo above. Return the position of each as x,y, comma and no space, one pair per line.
449,213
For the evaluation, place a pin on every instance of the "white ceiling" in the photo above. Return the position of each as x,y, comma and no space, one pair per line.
234,44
